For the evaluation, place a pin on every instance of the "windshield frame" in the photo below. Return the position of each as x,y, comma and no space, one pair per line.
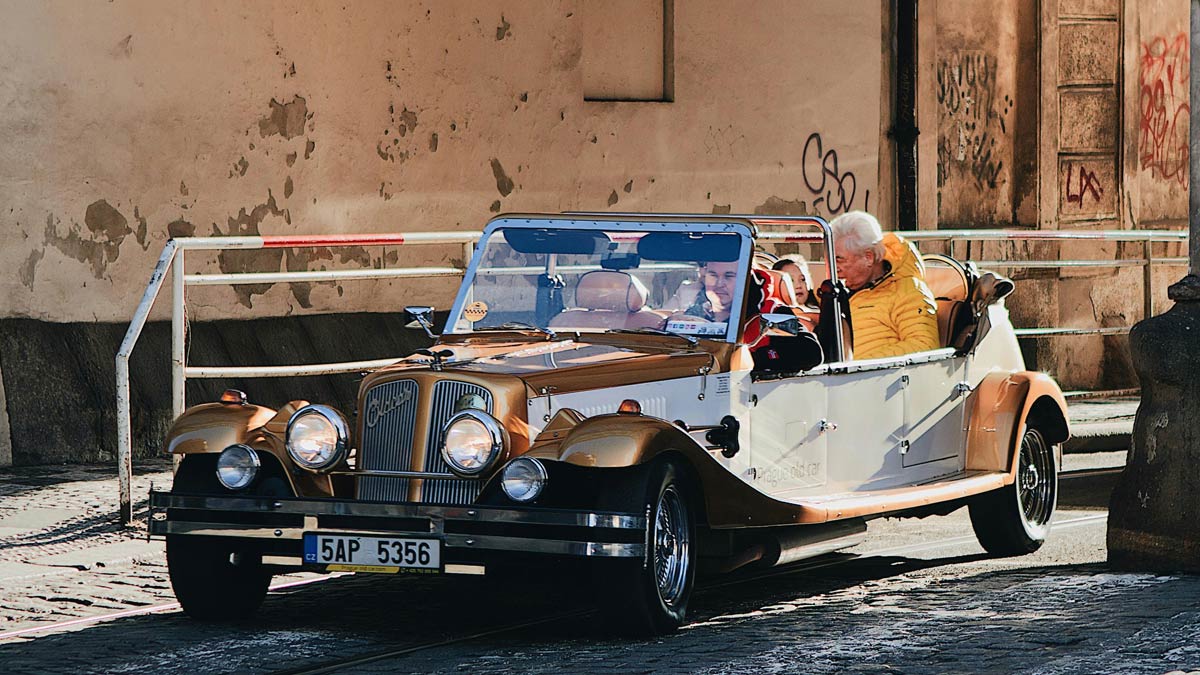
641,224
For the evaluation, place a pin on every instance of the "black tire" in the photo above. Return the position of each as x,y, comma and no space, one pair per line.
208,585
650,597
1015,520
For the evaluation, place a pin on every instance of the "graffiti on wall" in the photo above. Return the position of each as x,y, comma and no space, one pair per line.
833,190
1163,82
973,118
1082,186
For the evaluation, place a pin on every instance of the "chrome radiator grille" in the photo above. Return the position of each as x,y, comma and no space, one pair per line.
387,439
389,414
445,394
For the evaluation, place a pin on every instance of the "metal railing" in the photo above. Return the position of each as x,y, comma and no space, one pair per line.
172,260
173,257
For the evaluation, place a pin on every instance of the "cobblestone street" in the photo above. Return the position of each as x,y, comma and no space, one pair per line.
919,597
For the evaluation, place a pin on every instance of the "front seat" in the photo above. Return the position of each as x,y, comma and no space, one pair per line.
608,299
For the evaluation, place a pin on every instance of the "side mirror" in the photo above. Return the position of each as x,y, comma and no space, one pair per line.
779,324
422,318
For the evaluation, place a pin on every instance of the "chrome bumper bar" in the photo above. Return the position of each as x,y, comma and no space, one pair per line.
201,515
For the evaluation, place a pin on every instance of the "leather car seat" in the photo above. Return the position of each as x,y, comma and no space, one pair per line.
609,299
947,280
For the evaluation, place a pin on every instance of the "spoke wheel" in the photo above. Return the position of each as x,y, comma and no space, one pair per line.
671,542
1015,520
649,596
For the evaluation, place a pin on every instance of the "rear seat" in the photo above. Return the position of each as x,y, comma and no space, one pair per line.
947,279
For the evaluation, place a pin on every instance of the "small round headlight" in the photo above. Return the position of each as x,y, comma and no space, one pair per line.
237,466
317,436
474,441
523,479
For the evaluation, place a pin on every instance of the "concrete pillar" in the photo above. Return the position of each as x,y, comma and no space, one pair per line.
1154,515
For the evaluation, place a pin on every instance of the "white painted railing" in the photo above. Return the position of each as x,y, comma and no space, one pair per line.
172,259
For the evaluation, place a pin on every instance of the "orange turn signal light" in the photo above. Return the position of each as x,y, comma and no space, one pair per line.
233,397
630,407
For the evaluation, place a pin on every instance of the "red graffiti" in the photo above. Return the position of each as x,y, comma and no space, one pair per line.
1088,184
1163,139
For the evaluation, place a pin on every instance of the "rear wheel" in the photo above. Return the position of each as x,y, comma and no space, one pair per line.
1015,520
212,582
650,596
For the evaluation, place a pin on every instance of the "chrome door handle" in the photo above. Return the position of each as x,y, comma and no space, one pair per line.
962,389
826,425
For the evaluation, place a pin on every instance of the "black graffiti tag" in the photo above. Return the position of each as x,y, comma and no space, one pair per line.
820,170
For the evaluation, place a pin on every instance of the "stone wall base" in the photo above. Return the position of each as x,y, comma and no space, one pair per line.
59,387
1143,551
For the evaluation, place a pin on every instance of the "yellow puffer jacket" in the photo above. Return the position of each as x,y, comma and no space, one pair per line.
896,314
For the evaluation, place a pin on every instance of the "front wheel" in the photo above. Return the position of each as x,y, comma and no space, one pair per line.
650,596
212,582
1015,519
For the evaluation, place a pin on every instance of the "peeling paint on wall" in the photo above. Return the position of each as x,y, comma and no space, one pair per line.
142,229
504,29
29,268
613,198
100,245
286,119
503,183
777,206
263,260
181,228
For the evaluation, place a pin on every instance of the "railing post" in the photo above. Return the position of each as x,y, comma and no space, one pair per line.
178,338
1148,279
124,441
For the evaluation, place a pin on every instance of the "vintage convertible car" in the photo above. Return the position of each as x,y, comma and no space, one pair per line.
589,400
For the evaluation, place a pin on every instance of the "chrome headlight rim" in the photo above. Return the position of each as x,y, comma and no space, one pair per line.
341,446
494,429
541,478
255,463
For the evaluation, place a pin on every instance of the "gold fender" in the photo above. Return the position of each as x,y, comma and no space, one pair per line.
212,427
625,440
1001,407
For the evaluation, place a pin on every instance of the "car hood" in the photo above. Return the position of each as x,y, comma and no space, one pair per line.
562,366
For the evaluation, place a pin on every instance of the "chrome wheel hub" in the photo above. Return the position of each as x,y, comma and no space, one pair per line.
1035,479
671,555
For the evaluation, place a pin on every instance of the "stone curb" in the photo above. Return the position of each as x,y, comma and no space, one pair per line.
1100,437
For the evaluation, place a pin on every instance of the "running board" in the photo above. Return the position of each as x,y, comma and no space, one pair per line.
872,503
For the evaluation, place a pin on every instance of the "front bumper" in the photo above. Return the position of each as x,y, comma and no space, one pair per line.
276,526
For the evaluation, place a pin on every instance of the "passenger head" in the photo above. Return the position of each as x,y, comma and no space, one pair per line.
796,267
858,248
719,280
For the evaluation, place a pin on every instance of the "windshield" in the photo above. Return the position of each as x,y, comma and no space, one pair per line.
575,279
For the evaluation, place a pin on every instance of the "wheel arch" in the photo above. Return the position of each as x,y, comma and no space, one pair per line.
1003,407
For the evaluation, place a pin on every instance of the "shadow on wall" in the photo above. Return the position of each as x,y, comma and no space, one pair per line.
60,381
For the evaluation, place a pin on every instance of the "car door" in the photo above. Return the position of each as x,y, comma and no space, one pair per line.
787,441
934,396
866,426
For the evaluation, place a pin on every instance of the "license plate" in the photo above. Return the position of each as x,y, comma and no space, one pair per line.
348,552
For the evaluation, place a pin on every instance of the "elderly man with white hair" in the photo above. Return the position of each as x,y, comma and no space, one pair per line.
892,311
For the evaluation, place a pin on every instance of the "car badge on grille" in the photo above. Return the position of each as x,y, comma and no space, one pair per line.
379,408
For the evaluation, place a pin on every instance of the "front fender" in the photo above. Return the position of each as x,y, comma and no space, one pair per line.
1001,408
209,428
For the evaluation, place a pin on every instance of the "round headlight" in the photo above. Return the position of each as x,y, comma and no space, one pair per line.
237,466
523,479
316,437
474,441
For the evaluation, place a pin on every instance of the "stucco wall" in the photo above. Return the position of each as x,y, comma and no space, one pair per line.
127,122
